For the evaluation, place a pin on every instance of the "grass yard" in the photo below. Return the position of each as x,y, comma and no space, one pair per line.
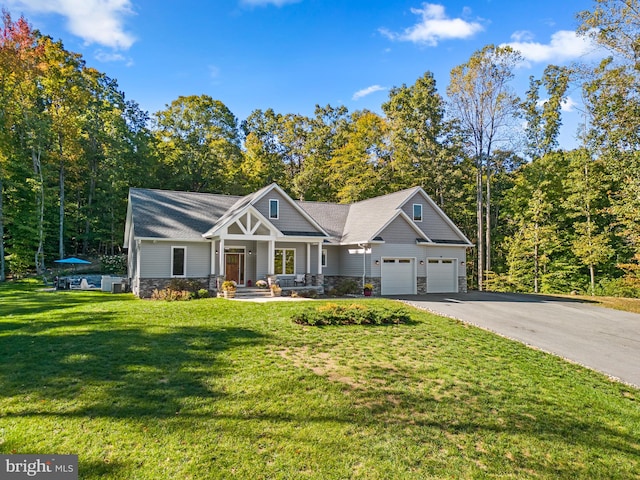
221,389
619,303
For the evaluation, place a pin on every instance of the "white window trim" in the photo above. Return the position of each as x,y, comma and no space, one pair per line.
325,258
284,263
173,249
277,209
413,212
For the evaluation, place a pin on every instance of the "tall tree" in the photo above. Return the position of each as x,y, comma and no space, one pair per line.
325,134
424,152
586,203
355,168
23,69
263,156
533,209
544,117
66,99
612,98
199,140
484,104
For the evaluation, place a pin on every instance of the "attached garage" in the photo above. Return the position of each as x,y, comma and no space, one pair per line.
398,276
441,275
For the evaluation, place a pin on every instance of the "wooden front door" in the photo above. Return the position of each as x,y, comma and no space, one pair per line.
234,267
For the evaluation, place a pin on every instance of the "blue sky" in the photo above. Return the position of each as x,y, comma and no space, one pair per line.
290,55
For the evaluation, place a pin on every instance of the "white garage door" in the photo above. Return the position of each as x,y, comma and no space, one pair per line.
441,276
398,276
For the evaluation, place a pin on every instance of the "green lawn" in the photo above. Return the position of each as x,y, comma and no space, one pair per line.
222,389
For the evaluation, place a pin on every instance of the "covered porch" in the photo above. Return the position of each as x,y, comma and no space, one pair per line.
247,248
293,265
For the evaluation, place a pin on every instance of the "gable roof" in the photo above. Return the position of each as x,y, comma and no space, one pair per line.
189,215
179,215
250,200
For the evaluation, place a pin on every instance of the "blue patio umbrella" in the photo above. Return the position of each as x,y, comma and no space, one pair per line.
73,261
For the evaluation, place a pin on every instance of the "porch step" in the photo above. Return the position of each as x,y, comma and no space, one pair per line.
252,292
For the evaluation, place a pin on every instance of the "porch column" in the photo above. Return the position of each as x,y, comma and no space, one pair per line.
213,258
271,252
221,270
308,270
320,258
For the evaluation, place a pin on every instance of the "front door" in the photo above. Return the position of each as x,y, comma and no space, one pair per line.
234,265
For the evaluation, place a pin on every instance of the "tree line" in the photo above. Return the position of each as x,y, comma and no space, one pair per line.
543,218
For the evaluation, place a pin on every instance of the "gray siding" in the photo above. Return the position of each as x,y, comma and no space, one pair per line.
132,257
352,264
399,231
432,223
290,218
156,259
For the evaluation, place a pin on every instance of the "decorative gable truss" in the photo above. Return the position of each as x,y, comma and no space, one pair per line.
248,224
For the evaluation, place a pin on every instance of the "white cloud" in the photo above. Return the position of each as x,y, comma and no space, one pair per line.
522,36
106,57
367,91
95,21
262,3
563,45
103,56
568,105
214,72
434,26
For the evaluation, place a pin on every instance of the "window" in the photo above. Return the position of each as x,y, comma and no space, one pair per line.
417,212
274,209
178,261
324,257
285,261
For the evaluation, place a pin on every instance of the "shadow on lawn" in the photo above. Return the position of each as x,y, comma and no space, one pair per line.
478,420
25,299
117,372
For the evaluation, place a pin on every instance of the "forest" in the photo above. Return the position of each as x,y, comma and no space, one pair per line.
542,218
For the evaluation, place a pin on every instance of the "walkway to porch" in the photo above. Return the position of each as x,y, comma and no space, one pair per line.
248,293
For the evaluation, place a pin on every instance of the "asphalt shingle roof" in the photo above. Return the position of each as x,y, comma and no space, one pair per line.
188,215
169,214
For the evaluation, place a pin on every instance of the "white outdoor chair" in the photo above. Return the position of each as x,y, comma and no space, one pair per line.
299,280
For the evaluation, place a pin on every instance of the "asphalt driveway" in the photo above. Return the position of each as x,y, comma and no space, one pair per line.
599,338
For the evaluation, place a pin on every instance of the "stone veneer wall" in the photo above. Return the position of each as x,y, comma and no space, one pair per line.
462,284
146,286
422,285
332,282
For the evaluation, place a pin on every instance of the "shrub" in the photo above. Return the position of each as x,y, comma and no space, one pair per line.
169,295
351,314
116,264
180,289
308,294
348,286
181,284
